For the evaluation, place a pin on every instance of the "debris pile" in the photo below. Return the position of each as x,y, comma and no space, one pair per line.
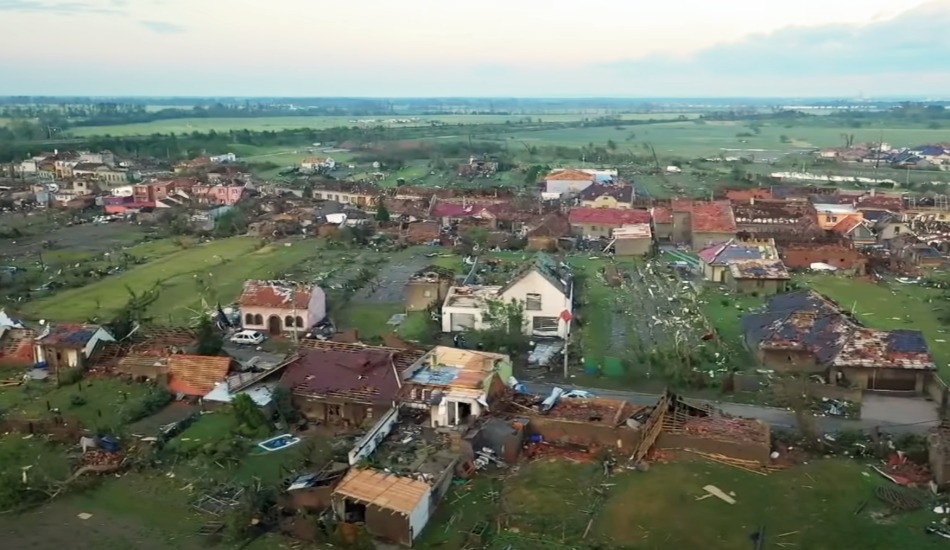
101,458
735,429
570,451
904,472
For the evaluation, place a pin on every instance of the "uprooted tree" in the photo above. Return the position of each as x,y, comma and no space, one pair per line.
210,340
134,312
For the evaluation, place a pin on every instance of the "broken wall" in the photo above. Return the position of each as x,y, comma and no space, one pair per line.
789,360
744,450
584,433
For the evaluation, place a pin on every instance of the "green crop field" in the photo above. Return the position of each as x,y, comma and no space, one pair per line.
692,139
188,125
213,271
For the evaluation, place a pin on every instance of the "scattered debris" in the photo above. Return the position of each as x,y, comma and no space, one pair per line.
718,493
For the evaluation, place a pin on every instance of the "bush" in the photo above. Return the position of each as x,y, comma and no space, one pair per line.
70,376
77,400
154,401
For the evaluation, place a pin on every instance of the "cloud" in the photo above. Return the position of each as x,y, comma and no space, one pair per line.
62,8
914,41
162,27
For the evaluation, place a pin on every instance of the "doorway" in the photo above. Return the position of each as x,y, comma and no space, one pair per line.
273,324
465,411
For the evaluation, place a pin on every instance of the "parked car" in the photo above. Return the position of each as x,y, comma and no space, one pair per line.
249,337
579,394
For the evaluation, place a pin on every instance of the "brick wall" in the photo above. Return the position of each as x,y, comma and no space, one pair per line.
584,433
802,257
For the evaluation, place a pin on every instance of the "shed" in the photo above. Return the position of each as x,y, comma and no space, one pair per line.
392,508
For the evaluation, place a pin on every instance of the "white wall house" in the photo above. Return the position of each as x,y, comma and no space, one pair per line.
68,346
225,158
545,289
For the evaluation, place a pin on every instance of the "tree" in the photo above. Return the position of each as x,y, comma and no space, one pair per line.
285,405
612,145
251,421
210,340
382,213
134,313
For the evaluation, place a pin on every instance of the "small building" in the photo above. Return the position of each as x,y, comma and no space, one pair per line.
662,218
597,223
715,259
455,385
281,306
633,240
357,194
889,227
567,182
428,286
828,215
390,507
763,277
196,375
68,345
856,230
599,195
547,233
711,222
888,360
343,386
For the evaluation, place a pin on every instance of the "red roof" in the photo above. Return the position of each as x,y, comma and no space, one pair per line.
608,216
713,217
745,195
272,294
569,175
445,209
196,375
366,376
846,225
881,202
662,215
681,205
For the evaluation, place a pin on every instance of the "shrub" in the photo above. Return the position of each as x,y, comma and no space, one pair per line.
70,376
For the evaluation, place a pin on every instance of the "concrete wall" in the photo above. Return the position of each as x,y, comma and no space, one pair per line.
682,227
420,295
663,231
352,414
567,188
594,231
886,379
633,247
702,240
605,201
791,361
764,287
802,258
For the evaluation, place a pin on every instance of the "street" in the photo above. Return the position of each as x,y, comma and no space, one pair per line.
903,415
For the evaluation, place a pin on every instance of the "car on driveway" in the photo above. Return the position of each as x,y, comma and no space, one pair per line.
248,337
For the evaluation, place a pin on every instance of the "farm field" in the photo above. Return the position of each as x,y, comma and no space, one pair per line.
890,307
810,506
188,125
691,139
213,271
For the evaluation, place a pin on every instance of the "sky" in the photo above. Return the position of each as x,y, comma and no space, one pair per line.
489,48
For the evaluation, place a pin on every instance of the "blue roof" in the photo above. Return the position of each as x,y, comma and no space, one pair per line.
603,178
906,341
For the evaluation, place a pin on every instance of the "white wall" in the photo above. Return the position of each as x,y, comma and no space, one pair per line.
317,308
447,312
440,413
101,335
369,442
122,191
567,187
553,302
419,516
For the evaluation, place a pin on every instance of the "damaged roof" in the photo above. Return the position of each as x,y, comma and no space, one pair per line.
455,368
569,174
759,269
554,224
734,251
275,294
889,349
68,335
622,193
549,268
368,376
662,214
713,217
608,216
801,320
387,491
196,375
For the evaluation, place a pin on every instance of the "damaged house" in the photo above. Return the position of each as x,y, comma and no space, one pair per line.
804,332
68,345
455,385
698,223
281,306
715,259
545,288
428,286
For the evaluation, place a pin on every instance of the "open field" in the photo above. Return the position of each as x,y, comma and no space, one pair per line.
890,307
213,271
810,506
188,125
693,139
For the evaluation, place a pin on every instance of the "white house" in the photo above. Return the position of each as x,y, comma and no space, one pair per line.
546,290
224,159
281,306
68,345
567,183
122,191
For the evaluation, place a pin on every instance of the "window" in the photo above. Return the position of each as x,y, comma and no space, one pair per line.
258,319
289,321
248,319
897,229
544,324
832,218
533,302
298,321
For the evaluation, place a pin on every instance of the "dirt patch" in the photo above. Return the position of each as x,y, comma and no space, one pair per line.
82,238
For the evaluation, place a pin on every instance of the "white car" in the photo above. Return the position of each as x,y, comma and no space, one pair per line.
250,337
579,394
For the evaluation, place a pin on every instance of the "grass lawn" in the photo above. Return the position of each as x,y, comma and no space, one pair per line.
369,319
222,265
46,459
812,506
890,307
106,400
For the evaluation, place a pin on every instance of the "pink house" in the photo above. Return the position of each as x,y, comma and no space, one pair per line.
218,194
278,306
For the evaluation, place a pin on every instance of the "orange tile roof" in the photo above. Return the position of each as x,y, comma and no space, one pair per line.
846,225
196,375
713,217
569,175
272,295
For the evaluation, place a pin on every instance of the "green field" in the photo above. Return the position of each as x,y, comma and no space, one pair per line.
809,507
890,307
188,125
222,267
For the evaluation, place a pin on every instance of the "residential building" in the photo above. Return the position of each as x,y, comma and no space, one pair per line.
218,194
196,375
226,158
716,259
662,218
710,222
829,215
633,240
68,345
455,385
567,182
315,164
600,195
598,223
545,288
856,230
890,227
357,194
343,386
763,277
100,172
804,332
428,286
449,212
544,236
281,306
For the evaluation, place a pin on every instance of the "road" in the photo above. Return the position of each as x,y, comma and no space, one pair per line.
905,415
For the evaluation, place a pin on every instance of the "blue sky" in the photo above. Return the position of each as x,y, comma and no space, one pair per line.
689,48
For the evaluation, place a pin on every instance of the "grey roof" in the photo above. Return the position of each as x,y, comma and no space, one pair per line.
550,269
